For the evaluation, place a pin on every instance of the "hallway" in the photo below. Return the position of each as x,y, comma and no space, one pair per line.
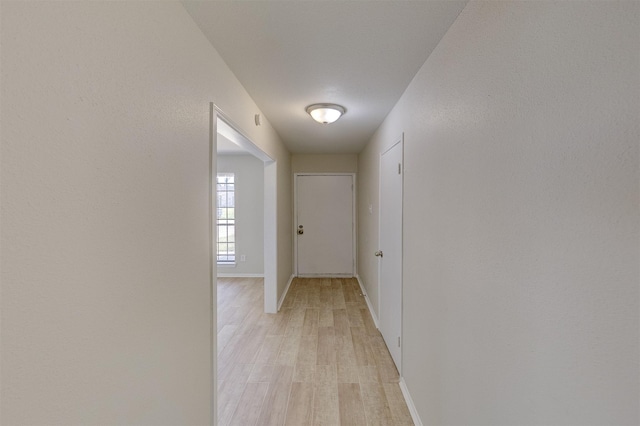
319,361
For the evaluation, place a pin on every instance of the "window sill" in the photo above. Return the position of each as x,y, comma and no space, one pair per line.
227,264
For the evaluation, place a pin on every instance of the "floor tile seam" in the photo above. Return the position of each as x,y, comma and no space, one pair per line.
313,397
264,398
262,346
286,408
237,402
364,408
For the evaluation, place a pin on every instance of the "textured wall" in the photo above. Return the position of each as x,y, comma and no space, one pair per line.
521,216
324,163
104,183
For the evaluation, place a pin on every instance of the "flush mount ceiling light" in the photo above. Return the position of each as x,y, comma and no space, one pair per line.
325,113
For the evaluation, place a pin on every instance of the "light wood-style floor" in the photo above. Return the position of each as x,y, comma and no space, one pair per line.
319,361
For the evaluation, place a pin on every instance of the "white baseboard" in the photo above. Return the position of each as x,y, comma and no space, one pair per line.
284,293
325,276
407,398
366,297
238,275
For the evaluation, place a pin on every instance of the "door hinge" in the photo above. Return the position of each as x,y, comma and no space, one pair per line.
399,168
398,341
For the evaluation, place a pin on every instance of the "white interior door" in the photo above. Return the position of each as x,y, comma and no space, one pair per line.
324,225
390,254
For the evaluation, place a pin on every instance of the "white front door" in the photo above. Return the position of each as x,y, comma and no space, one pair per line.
390,254
324,225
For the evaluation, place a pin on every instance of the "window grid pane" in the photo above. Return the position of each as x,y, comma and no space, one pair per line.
225,214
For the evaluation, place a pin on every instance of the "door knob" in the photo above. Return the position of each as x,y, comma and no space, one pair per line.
300,230
378,253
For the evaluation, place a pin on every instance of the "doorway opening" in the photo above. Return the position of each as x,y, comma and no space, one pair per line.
228,138
221,127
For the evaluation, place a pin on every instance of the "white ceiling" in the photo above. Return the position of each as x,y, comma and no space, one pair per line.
290,54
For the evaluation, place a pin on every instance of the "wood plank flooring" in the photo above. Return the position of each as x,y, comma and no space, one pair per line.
319,361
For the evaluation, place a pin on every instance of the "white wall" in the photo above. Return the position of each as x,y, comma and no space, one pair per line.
249,198
324,163
521,216
105,229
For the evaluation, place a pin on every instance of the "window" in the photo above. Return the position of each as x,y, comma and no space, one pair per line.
226,218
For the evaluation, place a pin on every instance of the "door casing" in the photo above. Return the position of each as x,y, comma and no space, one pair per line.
390,315
353,221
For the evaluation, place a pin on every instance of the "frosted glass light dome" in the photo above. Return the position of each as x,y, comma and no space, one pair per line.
325,113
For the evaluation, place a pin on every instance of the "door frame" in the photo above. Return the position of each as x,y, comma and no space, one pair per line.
219,122
226,127
213,266
353,218
399,141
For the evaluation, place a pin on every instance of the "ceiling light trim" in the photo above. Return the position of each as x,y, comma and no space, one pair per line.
325,113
